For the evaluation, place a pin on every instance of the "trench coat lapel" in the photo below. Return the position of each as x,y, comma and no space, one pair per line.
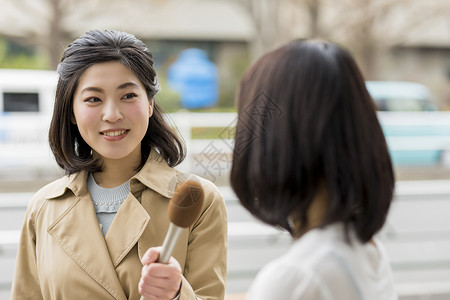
126,229
78,233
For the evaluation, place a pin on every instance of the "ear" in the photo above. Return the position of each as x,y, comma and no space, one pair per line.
150,108
73,120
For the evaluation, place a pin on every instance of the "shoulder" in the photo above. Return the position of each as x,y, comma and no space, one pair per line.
210,190
282,279
214,209
308,270
50,190
323,264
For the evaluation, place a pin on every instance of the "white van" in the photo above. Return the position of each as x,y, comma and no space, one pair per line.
400,96
26,104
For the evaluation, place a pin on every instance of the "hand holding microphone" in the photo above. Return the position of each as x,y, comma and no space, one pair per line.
184,208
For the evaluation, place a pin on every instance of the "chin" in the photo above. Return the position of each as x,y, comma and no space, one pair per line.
115,156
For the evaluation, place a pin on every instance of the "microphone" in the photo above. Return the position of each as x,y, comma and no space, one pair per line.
184,209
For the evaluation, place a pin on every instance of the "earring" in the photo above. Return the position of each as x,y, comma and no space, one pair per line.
150,109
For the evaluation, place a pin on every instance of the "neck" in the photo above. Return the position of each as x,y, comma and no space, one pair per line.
316,212
116,172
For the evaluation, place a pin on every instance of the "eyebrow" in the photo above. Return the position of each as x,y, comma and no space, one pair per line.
92,89
100,90
126,84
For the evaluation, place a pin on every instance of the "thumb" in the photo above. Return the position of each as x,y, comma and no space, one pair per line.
151,255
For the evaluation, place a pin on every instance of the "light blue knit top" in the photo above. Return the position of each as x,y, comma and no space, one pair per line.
106,201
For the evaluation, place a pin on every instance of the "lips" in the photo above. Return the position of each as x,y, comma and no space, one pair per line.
113,133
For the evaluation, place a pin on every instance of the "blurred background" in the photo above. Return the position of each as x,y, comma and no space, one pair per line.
201,49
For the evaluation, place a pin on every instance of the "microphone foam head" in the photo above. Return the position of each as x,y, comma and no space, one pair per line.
186,203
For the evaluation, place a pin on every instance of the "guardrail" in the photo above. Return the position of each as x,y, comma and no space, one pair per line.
421,138
411,136
416,237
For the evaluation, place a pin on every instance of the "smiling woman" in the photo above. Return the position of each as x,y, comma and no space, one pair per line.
112,110
86,235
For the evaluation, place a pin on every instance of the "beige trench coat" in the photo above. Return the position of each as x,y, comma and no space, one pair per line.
63,255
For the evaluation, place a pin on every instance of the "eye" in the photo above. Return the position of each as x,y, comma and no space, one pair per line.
92,99
129,96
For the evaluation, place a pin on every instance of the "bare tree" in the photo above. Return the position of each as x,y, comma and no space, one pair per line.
48,24
313,10
264,16
368,27
57,35
39,23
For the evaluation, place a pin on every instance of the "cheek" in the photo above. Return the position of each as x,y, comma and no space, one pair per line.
140,113
83,117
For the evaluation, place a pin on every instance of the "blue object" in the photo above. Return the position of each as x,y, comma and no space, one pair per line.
195,78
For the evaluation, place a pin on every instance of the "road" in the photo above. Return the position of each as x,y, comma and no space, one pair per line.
416,236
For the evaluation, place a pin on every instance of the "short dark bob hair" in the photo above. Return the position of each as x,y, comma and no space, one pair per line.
71,152
306,121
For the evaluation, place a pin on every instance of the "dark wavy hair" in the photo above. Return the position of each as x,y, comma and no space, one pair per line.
71,152
306,121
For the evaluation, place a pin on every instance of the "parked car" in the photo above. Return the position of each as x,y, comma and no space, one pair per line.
400,96
26,104
417,133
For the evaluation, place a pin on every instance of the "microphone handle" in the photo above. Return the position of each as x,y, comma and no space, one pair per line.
169,244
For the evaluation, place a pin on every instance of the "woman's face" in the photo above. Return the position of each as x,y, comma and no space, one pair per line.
112,110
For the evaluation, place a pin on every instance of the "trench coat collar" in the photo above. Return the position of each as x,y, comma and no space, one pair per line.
156,175
77,231
100,256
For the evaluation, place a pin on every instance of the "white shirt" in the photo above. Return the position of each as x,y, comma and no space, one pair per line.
321,265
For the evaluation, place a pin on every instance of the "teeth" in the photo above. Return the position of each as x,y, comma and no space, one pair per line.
114,133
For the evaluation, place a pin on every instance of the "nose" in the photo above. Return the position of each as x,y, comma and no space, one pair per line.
112,112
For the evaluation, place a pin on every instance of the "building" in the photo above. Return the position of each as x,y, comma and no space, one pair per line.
400,40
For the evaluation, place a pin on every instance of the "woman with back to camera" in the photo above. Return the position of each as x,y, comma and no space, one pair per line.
93,234
310,157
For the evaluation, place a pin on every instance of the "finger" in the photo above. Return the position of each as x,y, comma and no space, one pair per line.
155,292
173,262
171,283
151,255
161,277
159,272
148,294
